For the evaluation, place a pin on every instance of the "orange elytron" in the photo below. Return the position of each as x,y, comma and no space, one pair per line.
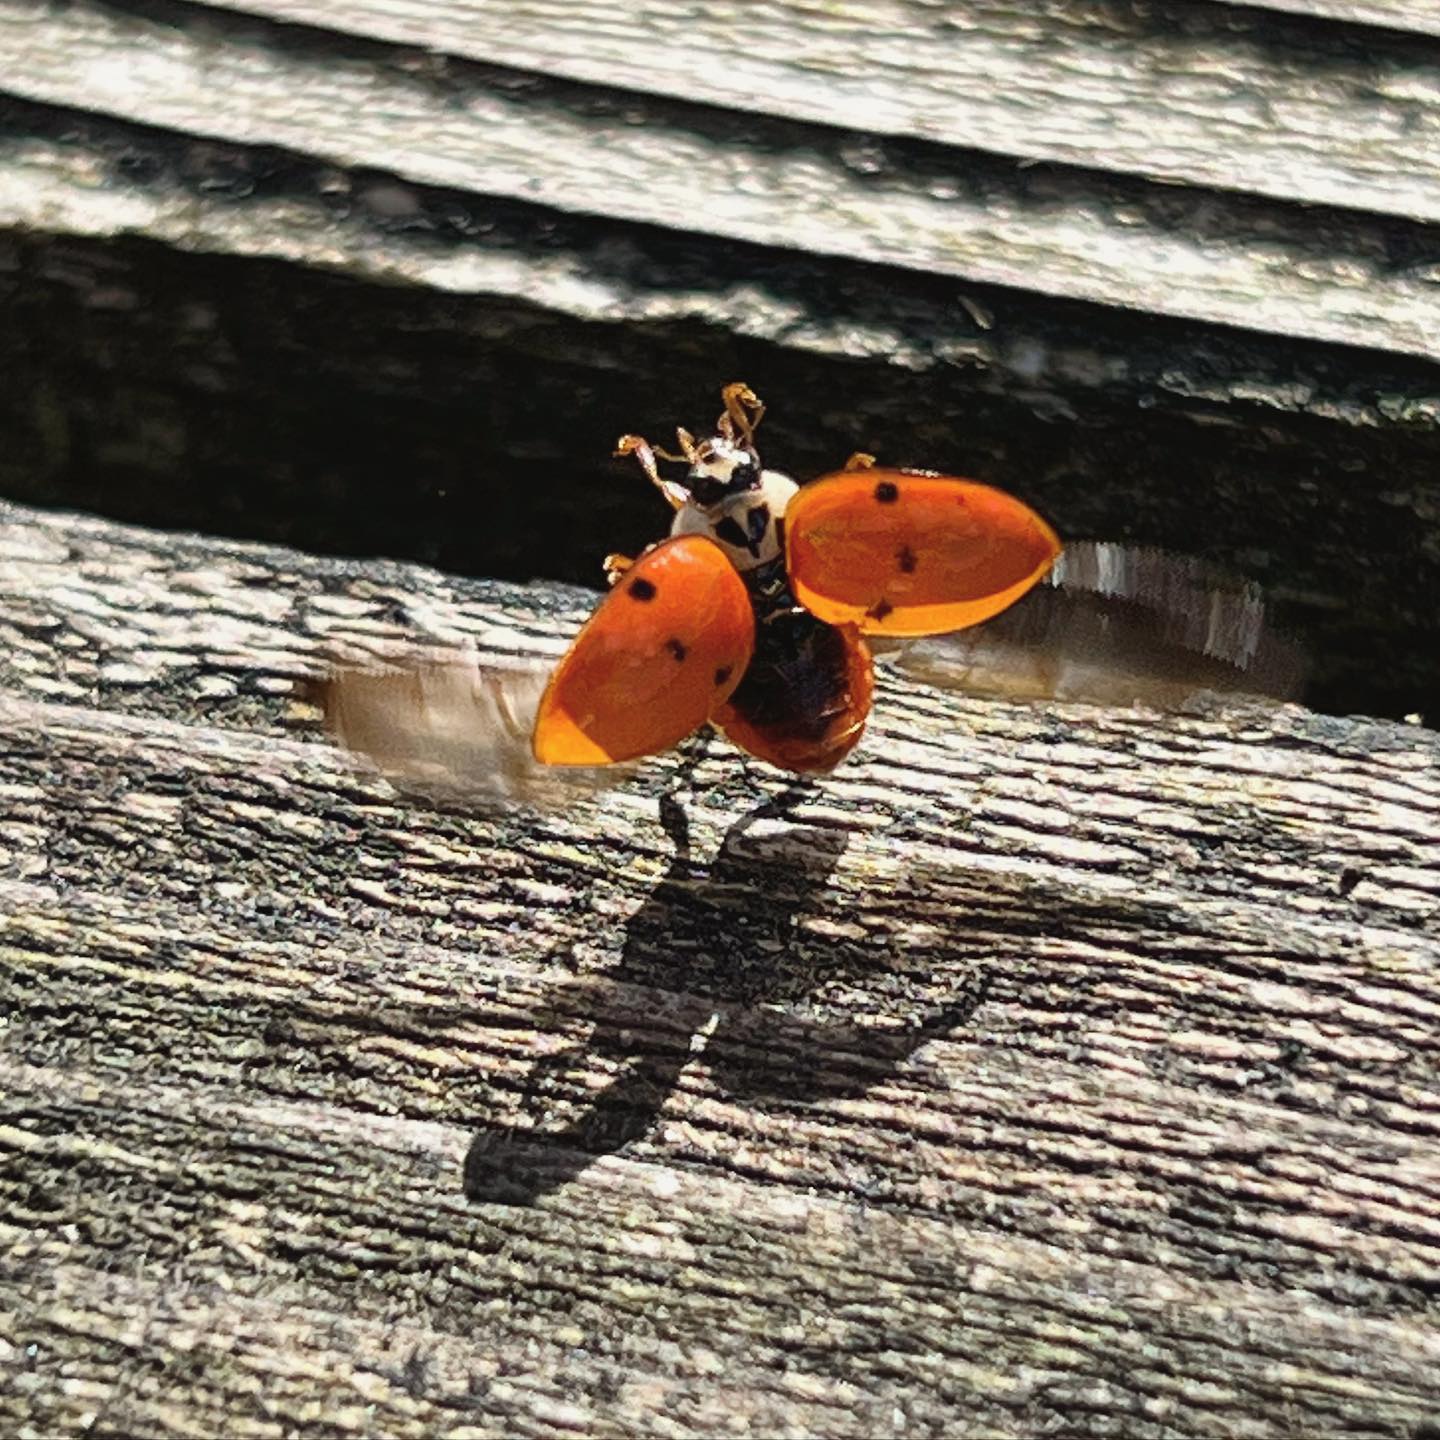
670,643
752,615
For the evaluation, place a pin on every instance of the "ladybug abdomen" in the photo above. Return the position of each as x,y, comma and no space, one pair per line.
806,694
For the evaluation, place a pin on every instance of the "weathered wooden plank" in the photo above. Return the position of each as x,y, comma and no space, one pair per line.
1200,94
1327,275
643,1294
581,1313
1045,1068
99,613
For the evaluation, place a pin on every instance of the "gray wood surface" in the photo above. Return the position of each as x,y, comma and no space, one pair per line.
1046,1069
1149,245
1198,94
1049,1069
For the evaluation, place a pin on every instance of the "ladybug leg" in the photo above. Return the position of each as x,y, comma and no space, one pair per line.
615,565
743,412
691,753
676,825
860,460
645,453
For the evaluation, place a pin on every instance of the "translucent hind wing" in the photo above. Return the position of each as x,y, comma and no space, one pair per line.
1121,625
443,726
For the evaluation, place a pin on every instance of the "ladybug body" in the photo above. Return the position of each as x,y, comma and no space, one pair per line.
752,615
805,696
737,505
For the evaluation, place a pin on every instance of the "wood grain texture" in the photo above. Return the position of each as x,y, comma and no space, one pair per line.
1048,1069
1333,275
1205,95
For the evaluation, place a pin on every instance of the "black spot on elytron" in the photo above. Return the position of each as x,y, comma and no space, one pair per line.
906,560
880,609
887,492
676,648
723,674
641,589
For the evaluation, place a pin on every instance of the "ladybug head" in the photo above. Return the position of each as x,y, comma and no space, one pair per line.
726,464
720,468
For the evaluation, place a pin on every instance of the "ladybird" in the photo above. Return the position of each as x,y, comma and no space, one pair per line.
753,614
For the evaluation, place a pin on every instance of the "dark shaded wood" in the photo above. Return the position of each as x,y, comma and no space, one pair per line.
1048,1068
1422,16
